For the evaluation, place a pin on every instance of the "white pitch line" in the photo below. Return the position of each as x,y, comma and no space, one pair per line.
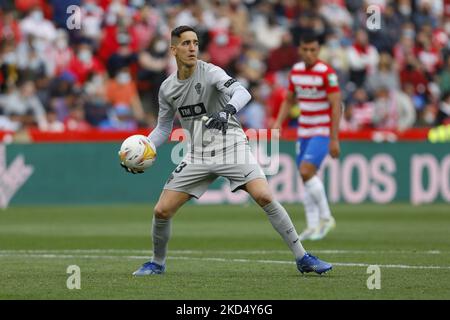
327,251
340,264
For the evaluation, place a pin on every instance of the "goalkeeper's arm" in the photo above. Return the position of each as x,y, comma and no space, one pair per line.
161,133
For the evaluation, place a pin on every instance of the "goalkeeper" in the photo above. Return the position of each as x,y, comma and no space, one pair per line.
218,147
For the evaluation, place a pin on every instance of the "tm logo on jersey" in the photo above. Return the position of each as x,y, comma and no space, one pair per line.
192,110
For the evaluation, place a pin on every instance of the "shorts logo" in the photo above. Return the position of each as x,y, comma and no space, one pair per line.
229,82
198,87
192,110
170,178
245,176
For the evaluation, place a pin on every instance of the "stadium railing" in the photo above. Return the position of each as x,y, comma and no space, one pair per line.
96,135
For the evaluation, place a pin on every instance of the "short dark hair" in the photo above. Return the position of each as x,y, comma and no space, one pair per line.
176,33
308,38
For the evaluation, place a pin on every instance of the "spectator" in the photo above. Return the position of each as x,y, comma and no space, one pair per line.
253,40
154,64
405,10
121,90
268,33
223,48
276,95
405,46
359,113
419,100
37,25
320,27
385,75
284,56
425,14
363,58
9,27
61,91
91,21
336,13
96,105
146,24
123,57
119,118
53,124
412,73
24,103
11,123
393,110
253,115
237,14
76,120
251,65
427,53
118,22
59,56
386,38
85,63
8,66
443,114
31,56
302,25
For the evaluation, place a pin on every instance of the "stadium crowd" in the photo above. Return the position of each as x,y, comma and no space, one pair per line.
105,73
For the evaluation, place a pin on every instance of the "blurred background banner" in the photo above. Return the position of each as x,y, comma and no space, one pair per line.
89,173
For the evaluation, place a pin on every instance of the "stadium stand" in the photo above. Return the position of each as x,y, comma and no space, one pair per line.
104,76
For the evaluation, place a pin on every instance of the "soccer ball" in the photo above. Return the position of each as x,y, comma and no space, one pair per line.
137,152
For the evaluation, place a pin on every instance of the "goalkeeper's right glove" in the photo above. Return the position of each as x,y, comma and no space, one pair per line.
129,169
219,120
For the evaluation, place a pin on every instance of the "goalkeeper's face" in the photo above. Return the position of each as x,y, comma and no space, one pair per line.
185,49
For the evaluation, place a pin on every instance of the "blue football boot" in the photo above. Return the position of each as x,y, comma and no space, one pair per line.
310,263
149,268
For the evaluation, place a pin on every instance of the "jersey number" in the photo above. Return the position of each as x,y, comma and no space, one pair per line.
180,167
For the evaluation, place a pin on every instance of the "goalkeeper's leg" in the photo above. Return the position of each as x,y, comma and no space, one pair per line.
168,204
260,192
279,218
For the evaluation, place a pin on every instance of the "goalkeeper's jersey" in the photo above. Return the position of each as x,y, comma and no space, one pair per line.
206,91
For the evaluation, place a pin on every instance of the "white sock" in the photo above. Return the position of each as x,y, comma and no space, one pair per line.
314,187
311,210
161,230
282,223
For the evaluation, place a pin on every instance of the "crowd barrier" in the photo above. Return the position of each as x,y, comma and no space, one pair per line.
80,171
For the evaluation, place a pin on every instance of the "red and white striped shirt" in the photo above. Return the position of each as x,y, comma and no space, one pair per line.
311,85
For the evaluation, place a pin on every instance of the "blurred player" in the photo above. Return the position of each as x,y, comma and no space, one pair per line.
198,89
313,85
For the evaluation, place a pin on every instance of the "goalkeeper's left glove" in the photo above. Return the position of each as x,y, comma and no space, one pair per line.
219,120
129,169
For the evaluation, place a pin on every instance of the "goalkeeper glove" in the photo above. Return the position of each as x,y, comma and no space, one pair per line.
129,169
219,120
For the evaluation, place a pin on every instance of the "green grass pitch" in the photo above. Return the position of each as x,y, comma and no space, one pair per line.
223,252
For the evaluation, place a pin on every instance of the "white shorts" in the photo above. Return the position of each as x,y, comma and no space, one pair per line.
196,172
